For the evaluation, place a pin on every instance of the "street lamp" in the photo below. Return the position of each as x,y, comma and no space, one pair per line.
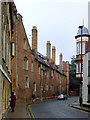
41,87
80,95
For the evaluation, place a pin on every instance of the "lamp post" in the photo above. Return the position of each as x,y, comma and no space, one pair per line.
80,94
41,87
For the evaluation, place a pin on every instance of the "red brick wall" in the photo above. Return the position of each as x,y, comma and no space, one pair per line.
25,94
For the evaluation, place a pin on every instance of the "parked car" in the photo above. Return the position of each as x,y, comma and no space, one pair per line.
62,97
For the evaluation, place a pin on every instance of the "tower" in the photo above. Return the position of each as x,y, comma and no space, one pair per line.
85,36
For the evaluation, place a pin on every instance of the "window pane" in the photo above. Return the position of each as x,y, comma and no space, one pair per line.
89,68
78,49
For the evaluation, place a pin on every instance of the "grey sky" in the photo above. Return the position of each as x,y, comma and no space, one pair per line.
56,21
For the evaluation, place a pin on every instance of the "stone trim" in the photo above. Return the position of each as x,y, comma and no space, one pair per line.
2,70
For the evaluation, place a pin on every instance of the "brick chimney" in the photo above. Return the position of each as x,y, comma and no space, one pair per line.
61,63
53,53
34,39
48,46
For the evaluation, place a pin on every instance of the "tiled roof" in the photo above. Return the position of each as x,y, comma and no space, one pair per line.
41,58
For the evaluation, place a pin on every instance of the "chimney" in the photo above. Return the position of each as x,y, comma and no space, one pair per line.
53,53
48,50
61,63
34,39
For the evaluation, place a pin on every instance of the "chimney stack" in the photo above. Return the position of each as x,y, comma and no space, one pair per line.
61,64
48,46
53,53
34,38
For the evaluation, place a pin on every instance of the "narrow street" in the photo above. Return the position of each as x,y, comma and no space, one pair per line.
56,109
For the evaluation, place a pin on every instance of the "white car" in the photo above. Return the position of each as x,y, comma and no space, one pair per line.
62,97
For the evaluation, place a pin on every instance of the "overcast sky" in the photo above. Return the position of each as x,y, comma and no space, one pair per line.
56,21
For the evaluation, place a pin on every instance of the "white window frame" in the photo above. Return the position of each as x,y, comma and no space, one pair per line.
38,69
34,87
83,48
25,63
77,49
77,68
26,82
32,67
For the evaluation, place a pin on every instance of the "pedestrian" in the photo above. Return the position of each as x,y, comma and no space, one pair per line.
13,101
53,95
80,101
33,97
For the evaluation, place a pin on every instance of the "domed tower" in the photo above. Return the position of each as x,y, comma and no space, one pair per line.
85,36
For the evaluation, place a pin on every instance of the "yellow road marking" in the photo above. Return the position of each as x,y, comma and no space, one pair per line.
81,110
31,112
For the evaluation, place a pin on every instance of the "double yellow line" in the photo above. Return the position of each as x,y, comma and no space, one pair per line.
32,116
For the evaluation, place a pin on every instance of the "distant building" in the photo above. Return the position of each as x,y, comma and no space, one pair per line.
6,22
85,37
32,71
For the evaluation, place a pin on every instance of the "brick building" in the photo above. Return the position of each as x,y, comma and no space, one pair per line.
32,71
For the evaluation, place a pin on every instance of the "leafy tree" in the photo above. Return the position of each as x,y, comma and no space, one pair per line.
73,82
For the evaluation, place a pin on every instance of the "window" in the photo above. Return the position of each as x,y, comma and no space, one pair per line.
77,49
25,44
26,63
26,82
51,73
32,67
51,87
77,68
34,87
46,87
83,48
80,68
4,44
89,68
39,69
47,74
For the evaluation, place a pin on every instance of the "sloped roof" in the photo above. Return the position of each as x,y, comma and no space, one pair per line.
85,32
41,59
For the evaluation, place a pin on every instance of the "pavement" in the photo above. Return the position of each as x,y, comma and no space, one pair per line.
23,110
76,105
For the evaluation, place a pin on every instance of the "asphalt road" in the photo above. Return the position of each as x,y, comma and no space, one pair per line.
57,109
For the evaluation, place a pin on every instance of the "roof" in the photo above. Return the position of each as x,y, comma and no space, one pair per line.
41,59
85,32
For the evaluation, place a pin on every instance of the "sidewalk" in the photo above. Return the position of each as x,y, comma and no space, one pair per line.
77,106
21,111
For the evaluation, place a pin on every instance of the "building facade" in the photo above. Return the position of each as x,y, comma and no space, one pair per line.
6,22
86,76
85,37
33,72
89,16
